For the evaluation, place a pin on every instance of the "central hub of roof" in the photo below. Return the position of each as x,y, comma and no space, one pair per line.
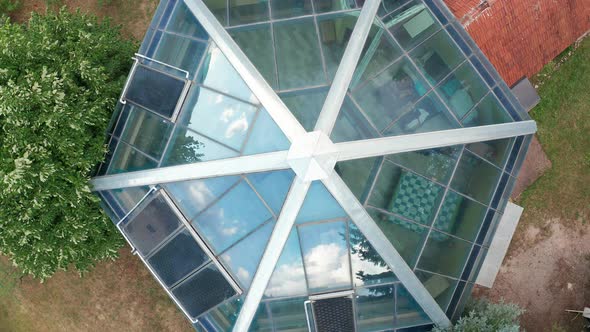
312,156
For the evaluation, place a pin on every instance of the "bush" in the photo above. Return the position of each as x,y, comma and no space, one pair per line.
60,76
7,6
484,316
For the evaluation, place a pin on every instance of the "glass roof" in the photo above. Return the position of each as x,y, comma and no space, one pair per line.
191,99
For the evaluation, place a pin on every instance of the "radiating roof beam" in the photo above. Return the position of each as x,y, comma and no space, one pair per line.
436,139
263,91
390,255
232,166
272,253
347,66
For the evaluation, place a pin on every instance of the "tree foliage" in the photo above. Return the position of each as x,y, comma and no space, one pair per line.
7,6
60,75
484,316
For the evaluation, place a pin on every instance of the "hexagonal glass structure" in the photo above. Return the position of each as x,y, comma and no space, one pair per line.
312,165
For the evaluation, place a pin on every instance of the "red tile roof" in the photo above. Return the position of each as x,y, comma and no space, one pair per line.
521,36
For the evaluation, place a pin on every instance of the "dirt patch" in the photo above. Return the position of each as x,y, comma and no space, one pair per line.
535,165
546,272
133,15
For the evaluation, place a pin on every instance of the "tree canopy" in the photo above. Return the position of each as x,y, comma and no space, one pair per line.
60,76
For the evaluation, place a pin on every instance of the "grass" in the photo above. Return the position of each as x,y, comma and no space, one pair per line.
115,296
563,119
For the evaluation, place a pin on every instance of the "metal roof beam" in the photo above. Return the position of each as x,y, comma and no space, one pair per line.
436,139
347,67
207,169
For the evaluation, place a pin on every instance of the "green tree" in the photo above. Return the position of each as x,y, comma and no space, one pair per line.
60,76
7,6
484,316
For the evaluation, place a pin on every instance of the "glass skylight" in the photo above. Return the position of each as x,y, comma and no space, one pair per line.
312,165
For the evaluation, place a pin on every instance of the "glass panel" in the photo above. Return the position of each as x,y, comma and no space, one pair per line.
203,291
151,225
178,258
245,11
216,72
155,91
243,258
375,308
460,216
325,255
439,287
219,9
290,8
411,24
273,187
127,159
256,42
289,315
367,265
262,321
406,237
388,6
462,90
306,105
444,254
359,175
288,278
487,112
223,317
406,194
180,52
389,94
194,196
408,312
324,6
147,132
184,22
217,116
120,125
236,214
379,52
475,178
163,14
437,57
319,205
266,136
494,151
351,124
298,54
436,164
335,33
127,198
428,115
188,147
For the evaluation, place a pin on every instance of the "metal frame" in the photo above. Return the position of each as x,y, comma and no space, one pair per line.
436,139
278,160
344,151
232,166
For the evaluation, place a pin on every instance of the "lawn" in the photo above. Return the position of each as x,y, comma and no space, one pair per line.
547,268
563,118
